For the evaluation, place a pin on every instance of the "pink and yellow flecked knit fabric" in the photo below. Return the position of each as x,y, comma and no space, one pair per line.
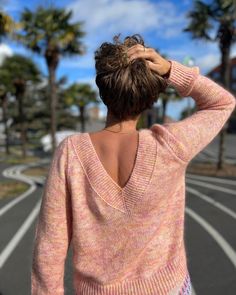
126,241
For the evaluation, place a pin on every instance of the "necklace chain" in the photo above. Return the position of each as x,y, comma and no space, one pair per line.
119,132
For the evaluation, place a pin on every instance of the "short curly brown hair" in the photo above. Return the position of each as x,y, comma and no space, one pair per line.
126,88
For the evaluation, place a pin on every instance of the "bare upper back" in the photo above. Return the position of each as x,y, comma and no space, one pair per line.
117,153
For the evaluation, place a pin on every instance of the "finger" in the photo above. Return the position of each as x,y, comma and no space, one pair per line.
151,65
136,48
140,50
142,54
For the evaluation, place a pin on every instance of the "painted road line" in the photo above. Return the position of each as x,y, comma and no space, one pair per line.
38,179
21,197
224,245
212,202
18,199
16,173
212,186
213,179
19,234
202,157
213,156
193,292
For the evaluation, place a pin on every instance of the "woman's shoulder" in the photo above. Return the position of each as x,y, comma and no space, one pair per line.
68,139
153,130
64,144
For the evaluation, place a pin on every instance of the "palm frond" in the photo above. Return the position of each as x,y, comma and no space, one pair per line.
200,21
51,27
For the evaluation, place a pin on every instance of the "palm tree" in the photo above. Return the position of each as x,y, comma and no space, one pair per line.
17,71
6,25
3,99
6,28
222,16
49,32
169,94
80,95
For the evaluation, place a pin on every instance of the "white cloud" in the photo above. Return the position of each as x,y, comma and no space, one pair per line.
205,54
117,15
208,55
4,52
10,6
208,61
105,18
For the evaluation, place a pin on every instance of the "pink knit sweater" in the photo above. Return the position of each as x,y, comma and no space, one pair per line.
126,241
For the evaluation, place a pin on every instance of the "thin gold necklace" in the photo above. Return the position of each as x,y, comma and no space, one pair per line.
120,132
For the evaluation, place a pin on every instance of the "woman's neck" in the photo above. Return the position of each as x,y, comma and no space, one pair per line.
128,125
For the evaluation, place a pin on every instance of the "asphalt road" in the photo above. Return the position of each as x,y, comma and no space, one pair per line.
210,235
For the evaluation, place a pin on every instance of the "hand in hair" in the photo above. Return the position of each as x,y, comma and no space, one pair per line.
155,61
126,88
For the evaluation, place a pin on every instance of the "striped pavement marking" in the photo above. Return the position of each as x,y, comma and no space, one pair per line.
18,236
13,173
212,186
219,205
211,178
224,245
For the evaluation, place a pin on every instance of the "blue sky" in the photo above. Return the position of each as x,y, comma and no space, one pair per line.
159,22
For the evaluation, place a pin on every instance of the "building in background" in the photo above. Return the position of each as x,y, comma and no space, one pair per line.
214,74
94,112
94,119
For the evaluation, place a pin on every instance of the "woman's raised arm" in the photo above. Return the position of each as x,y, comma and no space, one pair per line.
189,136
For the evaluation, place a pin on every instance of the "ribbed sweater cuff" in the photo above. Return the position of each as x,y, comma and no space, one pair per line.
182,77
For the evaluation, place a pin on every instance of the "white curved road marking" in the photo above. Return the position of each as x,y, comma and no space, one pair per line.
193,291
212,186
15,173
11,173
213,179
212,201
224,245
19,234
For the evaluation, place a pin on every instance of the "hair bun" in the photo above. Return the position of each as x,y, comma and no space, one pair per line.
112,57
126,87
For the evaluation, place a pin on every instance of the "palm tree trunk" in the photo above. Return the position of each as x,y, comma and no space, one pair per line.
225,75
4,115
53,104
52,60
82,119
164,106
22,122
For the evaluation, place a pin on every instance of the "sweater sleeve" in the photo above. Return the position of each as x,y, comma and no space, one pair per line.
187,137
53,229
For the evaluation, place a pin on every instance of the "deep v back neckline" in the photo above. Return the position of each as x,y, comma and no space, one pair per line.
122,199
137,157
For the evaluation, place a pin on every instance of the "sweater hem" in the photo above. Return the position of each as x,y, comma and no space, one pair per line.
161,282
